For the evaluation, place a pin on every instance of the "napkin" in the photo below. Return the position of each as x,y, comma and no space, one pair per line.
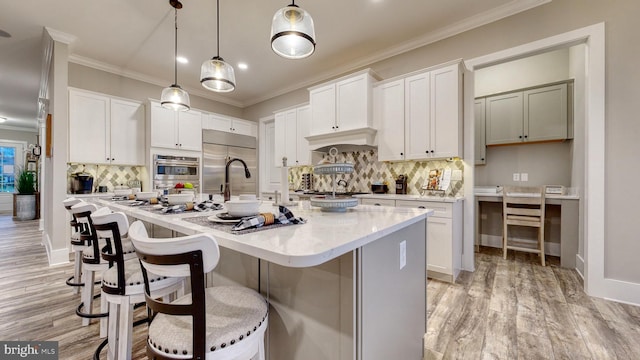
284,216
207,205
174,209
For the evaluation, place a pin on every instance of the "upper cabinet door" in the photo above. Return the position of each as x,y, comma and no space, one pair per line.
88,128
215,122
545,113
323,109
389,117
163,127
302,131
244,127
190,130
353,104
480,147
504,123
280,143
127,132
417,116
446,112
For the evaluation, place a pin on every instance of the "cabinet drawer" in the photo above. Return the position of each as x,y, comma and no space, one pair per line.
440,209
378,202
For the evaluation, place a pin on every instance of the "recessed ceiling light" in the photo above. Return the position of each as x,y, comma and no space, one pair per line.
243,66
182,60
2,119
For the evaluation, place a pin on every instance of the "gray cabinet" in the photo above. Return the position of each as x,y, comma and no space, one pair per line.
532,115
480,133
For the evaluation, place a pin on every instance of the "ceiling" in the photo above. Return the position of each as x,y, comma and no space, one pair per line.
135,39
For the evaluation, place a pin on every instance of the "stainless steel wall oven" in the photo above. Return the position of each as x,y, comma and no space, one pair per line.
169,170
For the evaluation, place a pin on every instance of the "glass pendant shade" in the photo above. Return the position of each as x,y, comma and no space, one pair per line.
292,33
175,98
217,75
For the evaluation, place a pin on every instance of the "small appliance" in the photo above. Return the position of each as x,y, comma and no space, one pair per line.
81,183
401,184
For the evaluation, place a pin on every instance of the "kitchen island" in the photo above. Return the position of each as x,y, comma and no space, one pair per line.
348,285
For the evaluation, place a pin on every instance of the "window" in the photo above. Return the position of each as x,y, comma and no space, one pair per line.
7,168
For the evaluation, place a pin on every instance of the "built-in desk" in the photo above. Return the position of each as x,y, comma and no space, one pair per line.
569,220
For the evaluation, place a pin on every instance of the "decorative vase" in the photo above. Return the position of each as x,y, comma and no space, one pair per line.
25,207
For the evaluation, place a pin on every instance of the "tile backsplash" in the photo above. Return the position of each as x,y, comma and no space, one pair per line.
367,170
107,175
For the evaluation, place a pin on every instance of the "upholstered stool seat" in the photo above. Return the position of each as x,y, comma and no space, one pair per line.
123,283
234,313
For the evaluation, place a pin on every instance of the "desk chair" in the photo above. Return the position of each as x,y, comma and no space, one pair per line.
523,206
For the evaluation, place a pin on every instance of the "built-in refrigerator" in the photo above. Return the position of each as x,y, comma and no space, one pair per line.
218,147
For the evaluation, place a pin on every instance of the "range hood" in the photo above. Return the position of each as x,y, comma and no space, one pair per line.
360,137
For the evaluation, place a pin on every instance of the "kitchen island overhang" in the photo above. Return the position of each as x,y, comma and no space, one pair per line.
346,285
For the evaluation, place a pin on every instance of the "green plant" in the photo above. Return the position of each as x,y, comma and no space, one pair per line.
25,182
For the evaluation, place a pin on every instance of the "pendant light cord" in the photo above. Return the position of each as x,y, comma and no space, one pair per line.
218,25
175,47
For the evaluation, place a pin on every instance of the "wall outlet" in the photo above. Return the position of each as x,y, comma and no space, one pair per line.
403,254
524,177
456,175
516,176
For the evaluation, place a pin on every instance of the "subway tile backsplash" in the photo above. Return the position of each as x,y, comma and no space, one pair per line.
367,170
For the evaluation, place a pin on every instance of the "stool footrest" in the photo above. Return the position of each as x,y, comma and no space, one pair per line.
82,314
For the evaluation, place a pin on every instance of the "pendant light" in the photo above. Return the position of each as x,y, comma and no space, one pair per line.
292,33
174,97
216,74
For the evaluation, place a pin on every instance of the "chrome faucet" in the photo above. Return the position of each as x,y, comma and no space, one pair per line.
227,188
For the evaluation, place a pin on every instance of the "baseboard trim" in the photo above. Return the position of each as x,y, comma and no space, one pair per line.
57,256
552,249
580,266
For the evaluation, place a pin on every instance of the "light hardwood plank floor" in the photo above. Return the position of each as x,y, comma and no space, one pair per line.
507,309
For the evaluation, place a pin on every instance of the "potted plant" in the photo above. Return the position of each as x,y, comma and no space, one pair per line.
25,197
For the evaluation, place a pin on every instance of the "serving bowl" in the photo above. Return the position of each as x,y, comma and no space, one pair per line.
178,199
243,207
146,195
122,192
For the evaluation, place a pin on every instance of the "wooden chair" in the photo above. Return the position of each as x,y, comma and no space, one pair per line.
123,284
223,322
523,206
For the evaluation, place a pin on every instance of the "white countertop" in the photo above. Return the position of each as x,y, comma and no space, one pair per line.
410,197
325,236
92,195
496,191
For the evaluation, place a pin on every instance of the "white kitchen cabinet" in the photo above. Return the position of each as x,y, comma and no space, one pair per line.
527,116
429,112
480,139
105,130
343,104
171,129
291,128
389,119
229,124
444,238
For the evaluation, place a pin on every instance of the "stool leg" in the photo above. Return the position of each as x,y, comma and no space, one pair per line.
87,295
77,273
113,330
125,328
261,355
104,321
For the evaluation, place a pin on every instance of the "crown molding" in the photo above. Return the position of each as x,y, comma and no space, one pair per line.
60,36
99,65
475,21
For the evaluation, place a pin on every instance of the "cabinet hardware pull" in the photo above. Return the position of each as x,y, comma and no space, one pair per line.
482,159
376,204
421,207
526,136
520,137
401,154
432,151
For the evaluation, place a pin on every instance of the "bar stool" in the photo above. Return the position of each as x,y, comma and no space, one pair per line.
83,211
224,322
123,283
77,245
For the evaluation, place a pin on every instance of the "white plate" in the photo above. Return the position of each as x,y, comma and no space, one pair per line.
214,218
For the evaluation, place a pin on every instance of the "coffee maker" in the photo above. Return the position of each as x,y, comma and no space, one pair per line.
81,183
401,184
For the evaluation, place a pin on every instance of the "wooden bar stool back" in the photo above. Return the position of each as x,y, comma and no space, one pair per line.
123,283
223,322
523,206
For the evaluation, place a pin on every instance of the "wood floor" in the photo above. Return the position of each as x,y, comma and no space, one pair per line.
507,309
